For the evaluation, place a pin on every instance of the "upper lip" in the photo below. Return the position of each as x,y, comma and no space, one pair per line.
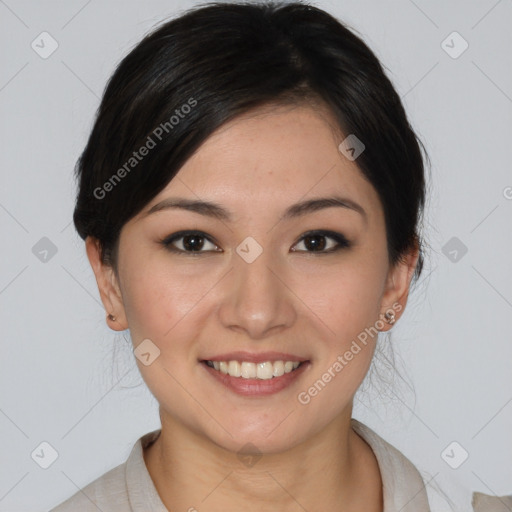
255,357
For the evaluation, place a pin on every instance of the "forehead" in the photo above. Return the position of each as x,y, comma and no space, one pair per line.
272,156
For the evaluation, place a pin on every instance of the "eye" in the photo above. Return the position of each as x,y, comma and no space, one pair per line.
190,242
193,242
315,240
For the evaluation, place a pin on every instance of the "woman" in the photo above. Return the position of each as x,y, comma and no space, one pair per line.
250,198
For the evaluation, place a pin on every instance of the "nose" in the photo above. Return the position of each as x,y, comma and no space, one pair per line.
257,300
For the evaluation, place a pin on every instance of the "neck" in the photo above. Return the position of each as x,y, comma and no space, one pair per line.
334,468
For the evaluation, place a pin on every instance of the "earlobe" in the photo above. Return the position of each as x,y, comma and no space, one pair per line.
108,287
397,288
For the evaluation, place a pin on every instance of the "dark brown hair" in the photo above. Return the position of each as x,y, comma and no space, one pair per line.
216,61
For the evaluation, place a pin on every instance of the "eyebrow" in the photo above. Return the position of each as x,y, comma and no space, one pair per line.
210,209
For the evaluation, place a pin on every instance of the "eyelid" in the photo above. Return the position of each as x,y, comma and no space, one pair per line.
168,241
340,239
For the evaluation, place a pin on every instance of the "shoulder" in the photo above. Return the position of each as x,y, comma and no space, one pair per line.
403,486
103,493
127,486
486,503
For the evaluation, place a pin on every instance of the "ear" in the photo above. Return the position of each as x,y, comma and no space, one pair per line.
108,286
398,281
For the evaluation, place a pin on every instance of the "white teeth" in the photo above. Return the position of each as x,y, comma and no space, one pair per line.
234,368
278,369
247,370
265,370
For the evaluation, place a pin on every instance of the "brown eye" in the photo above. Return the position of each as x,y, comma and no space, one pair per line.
316,242
189,242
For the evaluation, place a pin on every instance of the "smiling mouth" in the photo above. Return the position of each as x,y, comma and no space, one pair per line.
247,370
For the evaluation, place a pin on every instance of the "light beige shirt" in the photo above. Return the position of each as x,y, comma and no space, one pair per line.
129,488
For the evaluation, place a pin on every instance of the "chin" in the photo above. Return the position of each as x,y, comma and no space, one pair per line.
261,437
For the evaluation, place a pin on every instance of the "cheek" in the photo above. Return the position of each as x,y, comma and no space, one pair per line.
345,297
159,304
350,311
156,298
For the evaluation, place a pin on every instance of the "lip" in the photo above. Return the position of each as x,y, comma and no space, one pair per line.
252,357
256,387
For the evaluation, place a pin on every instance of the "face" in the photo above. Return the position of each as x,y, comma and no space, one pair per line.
254,285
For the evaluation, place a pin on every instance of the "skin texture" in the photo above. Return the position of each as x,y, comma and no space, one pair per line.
303,302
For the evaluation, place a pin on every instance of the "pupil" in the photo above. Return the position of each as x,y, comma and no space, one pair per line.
190,242
315,245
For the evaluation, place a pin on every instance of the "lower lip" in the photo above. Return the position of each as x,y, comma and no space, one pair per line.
257,387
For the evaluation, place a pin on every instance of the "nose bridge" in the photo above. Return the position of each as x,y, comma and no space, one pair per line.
257,299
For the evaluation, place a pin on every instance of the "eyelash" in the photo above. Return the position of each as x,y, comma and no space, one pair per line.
342,242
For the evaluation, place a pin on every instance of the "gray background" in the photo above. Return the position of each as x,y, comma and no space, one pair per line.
68,380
